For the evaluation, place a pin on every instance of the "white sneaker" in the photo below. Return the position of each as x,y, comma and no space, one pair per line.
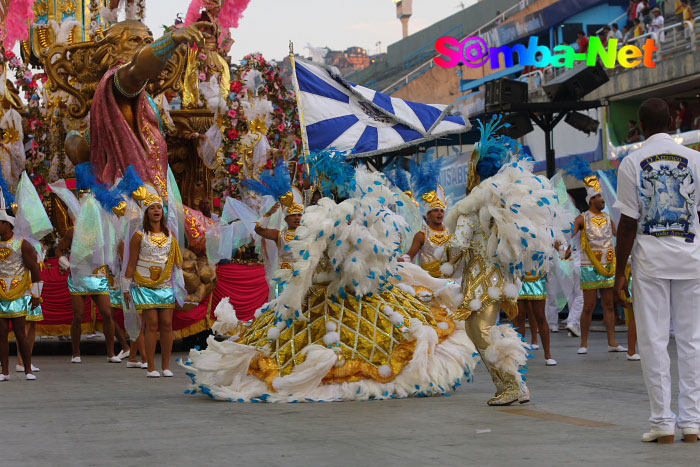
553,328
76,360
168,373
634,358
124,354
4,377
29,377
582,351
153,374
534,347
91,335
114,359
135,365
661,437
144,365
619,348
550,362
20,369
574,330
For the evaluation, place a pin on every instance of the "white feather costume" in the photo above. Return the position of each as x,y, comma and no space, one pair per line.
343,329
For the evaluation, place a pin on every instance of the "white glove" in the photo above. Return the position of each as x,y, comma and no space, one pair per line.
63,262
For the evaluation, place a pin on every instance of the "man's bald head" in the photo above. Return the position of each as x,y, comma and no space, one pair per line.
654,117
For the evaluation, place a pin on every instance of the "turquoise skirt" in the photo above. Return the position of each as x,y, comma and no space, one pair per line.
592,279
92,285
115,298
534,290
35,314
16,308
146,298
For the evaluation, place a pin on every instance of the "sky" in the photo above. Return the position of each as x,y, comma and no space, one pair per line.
268,25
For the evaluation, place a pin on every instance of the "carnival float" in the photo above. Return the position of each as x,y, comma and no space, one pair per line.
220,122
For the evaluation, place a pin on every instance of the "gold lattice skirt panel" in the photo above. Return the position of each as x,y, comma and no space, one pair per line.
368,339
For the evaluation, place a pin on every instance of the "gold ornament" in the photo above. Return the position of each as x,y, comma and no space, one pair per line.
10,136
593,182
41,8
434,200
4,254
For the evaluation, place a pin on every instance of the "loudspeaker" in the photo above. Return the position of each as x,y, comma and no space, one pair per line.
575,83
582,122
505,91
520,125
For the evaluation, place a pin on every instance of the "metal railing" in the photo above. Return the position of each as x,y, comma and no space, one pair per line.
430,64
612,22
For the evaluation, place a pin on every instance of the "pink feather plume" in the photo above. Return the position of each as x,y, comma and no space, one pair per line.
230,14
19,18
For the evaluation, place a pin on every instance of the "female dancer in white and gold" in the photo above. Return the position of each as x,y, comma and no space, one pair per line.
153,254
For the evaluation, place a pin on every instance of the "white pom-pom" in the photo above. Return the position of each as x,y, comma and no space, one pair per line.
331,326
475,304
443,325
447,269
258,313
407,289
273,334
396,318
511,290
494,292
331,338
385,371
281,325
387,310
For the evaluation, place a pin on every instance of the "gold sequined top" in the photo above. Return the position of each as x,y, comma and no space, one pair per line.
286,257
12,267
434,247
153,255
479,274
598,230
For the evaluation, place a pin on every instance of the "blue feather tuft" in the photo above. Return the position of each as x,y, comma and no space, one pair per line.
86,179
276,182
579,168
494,150
399,177
130,182
426,175
331,172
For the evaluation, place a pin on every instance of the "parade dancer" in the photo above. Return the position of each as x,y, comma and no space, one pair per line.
92,244
502,227
344,328
597,230
31,223
531,305
657,190
154,257
20,291
430,244
277,184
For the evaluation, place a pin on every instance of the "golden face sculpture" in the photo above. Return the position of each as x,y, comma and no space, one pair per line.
121,42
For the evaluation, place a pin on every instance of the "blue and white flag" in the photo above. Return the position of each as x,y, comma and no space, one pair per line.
342,115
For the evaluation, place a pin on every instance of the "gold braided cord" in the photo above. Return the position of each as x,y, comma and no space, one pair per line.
608,271
19,290
174,259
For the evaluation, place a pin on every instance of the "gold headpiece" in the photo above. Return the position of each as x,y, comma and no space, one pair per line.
435,199
147,195
292,202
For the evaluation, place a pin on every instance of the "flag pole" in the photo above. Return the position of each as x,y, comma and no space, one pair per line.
300,107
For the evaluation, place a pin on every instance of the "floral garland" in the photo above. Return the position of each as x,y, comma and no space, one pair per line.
283,134
35,122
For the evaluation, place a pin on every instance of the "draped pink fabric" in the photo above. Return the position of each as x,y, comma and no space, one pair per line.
196,227
246,287
114,145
